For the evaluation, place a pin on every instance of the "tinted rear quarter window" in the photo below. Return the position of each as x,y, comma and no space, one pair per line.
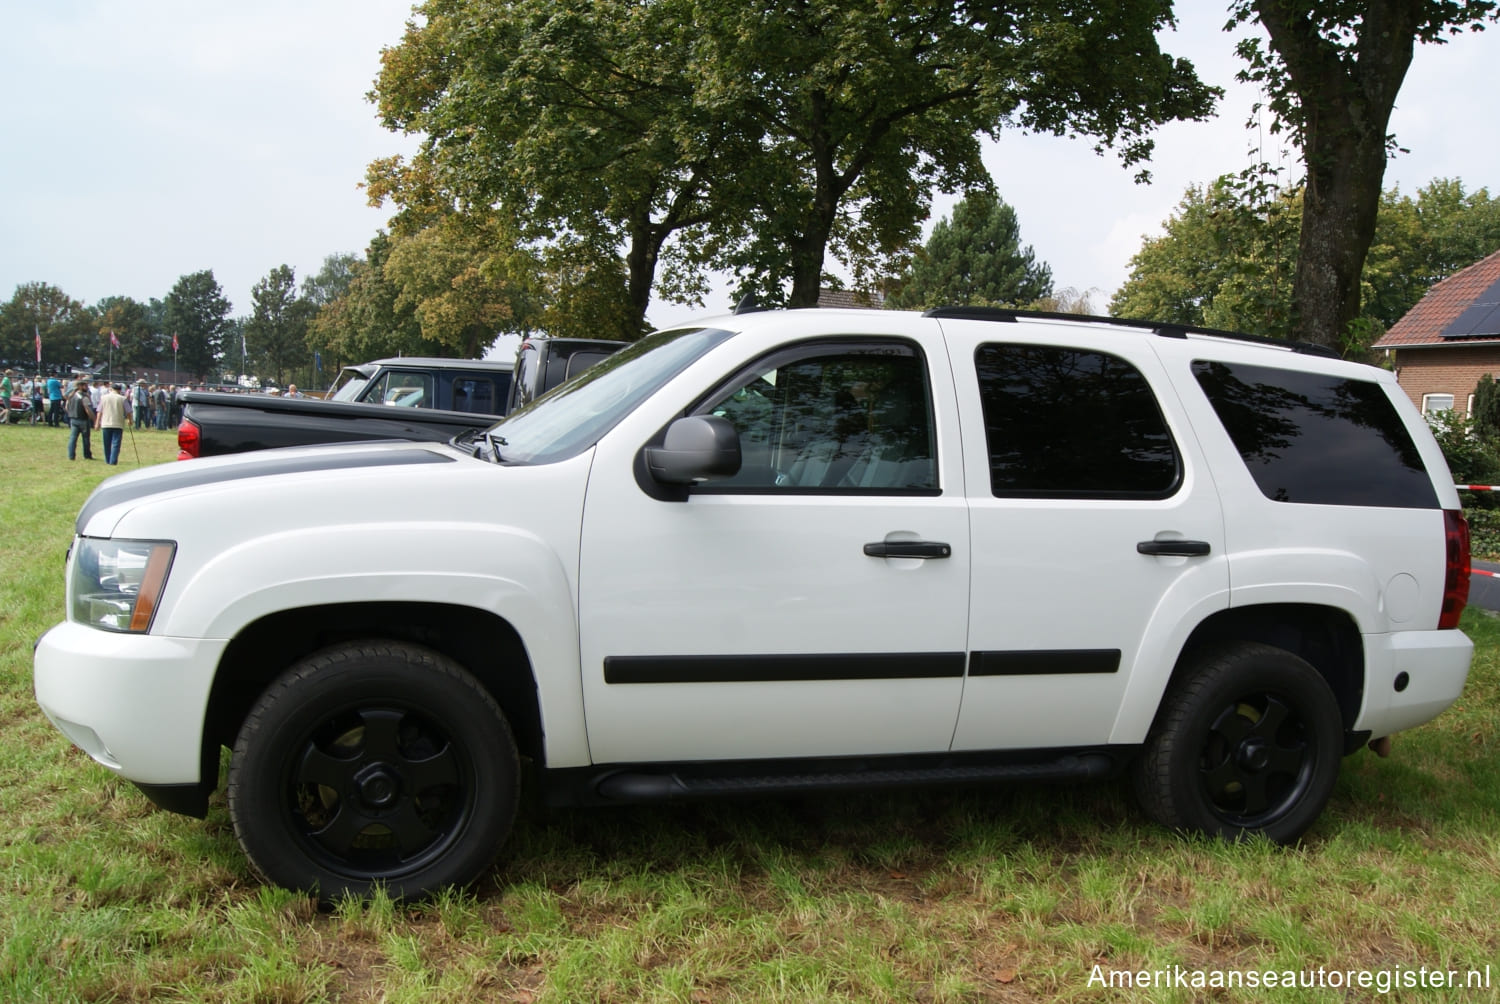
1072,423
1317,439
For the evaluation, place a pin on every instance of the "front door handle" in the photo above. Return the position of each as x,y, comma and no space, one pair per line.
1181,548
909,549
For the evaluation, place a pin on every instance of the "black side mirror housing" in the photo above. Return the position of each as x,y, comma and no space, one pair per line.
696,448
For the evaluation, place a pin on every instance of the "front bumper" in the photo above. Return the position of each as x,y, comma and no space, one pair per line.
1411,677
134,702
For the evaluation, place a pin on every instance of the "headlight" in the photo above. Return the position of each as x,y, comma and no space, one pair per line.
117,583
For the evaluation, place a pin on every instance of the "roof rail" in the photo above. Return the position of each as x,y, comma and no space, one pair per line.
1166,329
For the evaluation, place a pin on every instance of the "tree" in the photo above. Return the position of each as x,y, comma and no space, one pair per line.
1331,74
366,322
455,274
196,313
276,330
574,120
129,322
1228,257
764,137
65,326
860,112
975,260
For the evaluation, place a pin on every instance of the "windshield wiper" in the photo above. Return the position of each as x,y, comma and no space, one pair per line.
496,441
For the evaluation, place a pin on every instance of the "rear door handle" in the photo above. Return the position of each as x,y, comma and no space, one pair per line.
1181,548
909,549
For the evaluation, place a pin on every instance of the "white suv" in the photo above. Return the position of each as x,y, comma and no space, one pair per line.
781,552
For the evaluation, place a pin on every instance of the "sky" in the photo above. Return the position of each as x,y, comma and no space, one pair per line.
143,141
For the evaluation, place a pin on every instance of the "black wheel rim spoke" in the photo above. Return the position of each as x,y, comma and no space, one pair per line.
323,768
435,771
412,833
343,830
382,734
1255,798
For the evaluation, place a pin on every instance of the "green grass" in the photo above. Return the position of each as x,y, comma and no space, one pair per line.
1010,894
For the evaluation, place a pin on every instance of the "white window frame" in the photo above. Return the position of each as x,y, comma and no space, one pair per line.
1429,403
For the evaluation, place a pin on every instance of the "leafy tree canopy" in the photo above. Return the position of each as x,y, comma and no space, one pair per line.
757,138
276,331
1331,72
975,259
66,327
196,312
1227,258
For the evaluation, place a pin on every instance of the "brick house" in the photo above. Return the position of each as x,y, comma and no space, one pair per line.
1450,339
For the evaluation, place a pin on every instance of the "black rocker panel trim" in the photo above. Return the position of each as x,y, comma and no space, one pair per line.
1042,662
781,668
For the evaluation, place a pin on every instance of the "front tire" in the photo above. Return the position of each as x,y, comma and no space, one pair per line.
1248,744
373,763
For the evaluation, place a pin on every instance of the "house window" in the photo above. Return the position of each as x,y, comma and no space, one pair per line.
1436,402
1471,406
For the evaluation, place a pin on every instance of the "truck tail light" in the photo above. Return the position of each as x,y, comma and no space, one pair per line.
1456,581
187,440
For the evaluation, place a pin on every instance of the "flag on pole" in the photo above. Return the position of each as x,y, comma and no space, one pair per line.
113,340
174,341
38,331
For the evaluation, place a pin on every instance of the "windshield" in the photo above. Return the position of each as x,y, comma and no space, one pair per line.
350,382
572,417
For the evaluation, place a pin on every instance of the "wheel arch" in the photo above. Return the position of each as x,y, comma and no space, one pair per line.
485,644
1325,637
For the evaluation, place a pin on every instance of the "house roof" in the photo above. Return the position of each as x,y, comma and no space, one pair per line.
1444,304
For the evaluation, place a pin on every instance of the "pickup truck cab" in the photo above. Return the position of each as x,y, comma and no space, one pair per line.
781,552
410,397
473,386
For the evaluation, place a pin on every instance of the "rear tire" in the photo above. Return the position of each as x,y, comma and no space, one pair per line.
1249,743
373,763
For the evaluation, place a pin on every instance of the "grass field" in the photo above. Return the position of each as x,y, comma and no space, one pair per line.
1010,894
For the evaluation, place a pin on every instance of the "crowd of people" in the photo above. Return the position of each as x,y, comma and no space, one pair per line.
82,405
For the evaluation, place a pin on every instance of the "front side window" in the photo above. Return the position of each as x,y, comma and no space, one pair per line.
401,389
852,417
1313,438
572,417
1072,423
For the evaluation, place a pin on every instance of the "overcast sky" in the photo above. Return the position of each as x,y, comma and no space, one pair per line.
143,141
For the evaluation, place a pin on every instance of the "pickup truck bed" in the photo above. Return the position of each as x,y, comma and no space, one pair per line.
217,423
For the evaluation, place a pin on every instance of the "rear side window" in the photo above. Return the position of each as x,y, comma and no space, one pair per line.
476,395
1317,439
1072,423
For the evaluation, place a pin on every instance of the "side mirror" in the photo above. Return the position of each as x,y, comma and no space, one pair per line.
695,449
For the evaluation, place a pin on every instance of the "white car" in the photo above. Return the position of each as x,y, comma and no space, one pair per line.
782,552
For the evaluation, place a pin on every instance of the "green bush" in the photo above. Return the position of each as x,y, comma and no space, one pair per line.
1484,533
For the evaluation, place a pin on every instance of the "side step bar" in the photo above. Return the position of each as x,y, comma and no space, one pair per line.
644,786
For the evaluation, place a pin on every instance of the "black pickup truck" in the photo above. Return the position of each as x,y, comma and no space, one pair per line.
410,398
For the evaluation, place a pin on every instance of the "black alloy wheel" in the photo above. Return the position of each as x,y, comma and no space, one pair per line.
1248,743
373,764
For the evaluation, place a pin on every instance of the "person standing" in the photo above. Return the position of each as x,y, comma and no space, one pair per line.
80,420
6,387
54,402
113,409
140,399
38,400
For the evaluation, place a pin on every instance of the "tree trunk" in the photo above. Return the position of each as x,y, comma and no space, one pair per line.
1338,224
1343,110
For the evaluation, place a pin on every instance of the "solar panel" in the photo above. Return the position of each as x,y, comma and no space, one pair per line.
1481,318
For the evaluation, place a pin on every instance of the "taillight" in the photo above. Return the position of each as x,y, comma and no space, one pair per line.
1456,581
187,440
